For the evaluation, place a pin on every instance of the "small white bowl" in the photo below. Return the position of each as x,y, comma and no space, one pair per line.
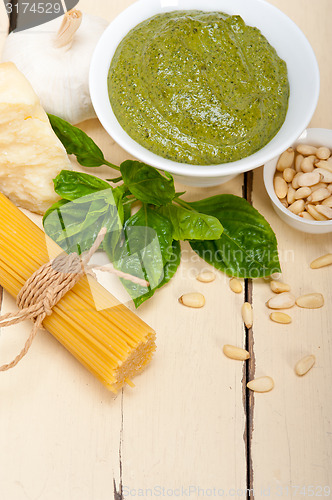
281,32
314,137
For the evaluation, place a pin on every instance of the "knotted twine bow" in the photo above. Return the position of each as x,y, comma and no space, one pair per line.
46,287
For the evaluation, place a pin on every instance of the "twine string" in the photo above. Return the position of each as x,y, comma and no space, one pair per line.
46,287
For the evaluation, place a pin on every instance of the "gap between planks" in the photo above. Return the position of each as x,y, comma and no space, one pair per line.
249,366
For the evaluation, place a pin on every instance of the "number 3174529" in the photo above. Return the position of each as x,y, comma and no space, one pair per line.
35,8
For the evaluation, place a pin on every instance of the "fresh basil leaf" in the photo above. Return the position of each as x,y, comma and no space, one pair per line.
147,184
108,195
78,143
248,246
191,225
144,227
170,269
97,209
172,264
144,252
72,185
75,225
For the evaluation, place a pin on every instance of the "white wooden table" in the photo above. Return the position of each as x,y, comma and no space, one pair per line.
189,428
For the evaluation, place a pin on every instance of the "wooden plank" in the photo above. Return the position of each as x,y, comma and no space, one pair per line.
314,20
191,396
193,409
292,425
60,432
292,437
184,425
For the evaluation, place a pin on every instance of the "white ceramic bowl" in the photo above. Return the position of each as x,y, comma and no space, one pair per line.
281,32
315,137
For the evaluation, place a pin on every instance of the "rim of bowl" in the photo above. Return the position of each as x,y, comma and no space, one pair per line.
271,192
186,169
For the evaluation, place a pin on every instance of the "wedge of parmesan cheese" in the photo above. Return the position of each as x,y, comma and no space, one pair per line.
31,155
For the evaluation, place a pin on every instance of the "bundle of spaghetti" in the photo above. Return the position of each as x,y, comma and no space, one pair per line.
112,342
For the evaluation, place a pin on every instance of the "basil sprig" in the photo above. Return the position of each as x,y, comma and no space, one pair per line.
71,185
224,230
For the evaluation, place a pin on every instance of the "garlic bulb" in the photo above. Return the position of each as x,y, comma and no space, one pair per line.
55,58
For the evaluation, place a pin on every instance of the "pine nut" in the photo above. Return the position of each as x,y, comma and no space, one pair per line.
306,150
319,195
235,285
326,175
297,207
298,162
310,301
285,159
247,314
291,195
329,187
324,260
261,384
284,300
306,215
295,181
279,287
237,353
323,153
311,209
318,186
327,165
276,276
307,164
288,174
328,201
206,277
195,300
310,178
279,317
284,202
304,365
302,193
324,210
280,187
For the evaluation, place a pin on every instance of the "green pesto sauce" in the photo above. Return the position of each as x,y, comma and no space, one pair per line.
198,87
